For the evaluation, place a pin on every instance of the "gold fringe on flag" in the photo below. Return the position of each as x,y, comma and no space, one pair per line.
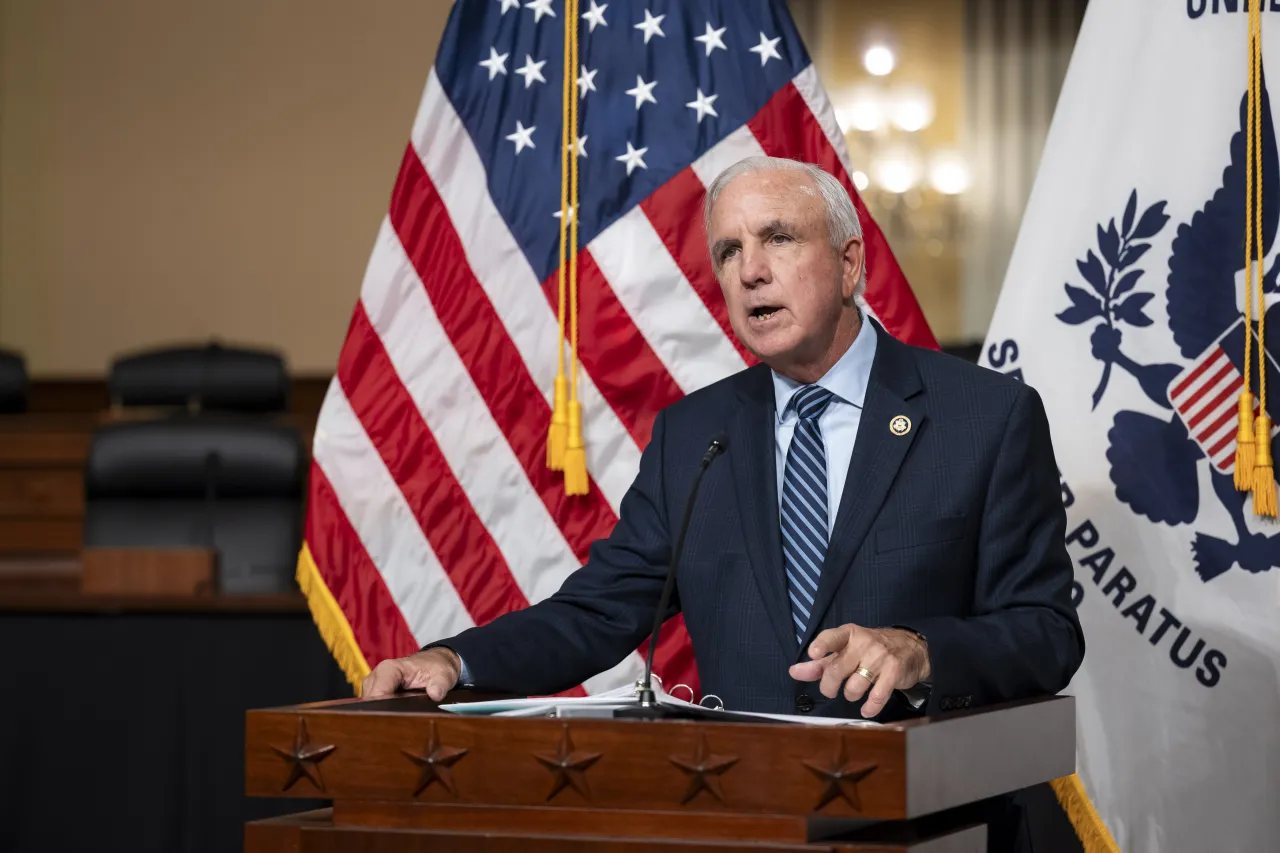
334,628
1090,829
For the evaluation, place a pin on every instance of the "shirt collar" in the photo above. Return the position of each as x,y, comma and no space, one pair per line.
847,379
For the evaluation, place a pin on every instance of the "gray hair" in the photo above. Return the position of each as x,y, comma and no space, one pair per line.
842,217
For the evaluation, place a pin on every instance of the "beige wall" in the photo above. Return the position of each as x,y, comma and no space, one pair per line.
178,170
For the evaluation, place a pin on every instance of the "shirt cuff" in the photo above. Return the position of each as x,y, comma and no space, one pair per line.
918,695
464,674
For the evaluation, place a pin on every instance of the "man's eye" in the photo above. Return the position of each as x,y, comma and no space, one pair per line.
779,238
727,254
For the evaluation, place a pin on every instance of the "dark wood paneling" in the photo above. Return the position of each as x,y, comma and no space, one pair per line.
53,586
149,572
57,602
67,395
89,395
42,536
47,492
549,821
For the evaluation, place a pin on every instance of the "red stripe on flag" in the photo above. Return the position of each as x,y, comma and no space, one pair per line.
1226,370
354,581
459,539
786,128
1227,414
1196,373
675,211
1227,393
476,333
629,375
1227,437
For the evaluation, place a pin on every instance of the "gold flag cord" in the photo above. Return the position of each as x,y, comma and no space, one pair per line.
1255,471
558,433
1244,432
575,456
565,448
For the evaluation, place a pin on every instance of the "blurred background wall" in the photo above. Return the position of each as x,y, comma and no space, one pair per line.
176,171
181,171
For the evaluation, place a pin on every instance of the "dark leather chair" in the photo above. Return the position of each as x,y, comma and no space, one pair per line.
227,482
13,382
970,351
208,378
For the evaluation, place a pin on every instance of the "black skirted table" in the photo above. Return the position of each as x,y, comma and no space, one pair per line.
122,723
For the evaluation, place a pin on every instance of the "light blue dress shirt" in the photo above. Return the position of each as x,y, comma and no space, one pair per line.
847,380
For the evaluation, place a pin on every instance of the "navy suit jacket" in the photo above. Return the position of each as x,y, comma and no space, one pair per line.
955,530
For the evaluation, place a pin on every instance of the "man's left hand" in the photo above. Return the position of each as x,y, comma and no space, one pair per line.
896,659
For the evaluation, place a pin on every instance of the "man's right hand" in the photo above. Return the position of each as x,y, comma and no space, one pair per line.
435,669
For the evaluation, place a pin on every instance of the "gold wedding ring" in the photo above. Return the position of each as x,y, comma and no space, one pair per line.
866,673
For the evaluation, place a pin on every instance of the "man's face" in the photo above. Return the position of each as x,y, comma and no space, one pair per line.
786,287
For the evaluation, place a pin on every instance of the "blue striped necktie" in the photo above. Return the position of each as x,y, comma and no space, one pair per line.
804,504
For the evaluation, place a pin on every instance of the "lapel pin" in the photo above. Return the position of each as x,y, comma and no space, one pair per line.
900,425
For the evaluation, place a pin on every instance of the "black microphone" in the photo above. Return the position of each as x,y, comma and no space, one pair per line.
718,445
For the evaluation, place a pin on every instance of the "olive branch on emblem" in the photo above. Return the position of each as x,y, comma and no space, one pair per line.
1113,276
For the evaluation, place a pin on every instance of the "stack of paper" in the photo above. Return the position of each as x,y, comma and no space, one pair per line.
604,704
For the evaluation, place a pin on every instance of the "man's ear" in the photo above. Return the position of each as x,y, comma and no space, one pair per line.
852,259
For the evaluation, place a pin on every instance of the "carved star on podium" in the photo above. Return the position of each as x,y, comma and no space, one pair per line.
435,763
304,758
842,777
704,770
569,767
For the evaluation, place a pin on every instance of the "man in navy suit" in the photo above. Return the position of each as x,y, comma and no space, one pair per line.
884,538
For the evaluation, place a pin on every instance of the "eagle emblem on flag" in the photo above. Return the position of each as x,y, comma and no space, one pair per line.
1154,461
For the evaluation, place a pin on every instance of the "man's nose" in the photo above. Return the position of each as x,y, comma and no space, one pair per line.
754,269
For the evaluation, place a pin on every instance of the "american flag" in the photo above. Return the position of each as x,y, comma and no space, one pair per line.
1206,395
431,508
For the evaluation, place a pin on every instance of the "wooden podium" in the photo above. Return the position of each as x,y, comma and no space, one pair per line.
404,776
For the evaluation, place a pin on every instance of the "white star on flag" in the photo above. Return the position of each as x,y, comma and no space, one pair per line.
496,63
508,5
703,104
581,147
540,8
595,16
652,26
712,39
531,71
633,158
556,215
587,81
523,137
768,49
643,92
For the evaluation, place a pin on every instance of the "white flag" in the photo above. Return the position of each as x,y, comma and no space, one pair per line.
1123,305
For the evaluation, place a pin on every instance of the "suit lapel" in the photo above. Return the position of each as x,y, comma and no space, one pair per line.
877,455
751,451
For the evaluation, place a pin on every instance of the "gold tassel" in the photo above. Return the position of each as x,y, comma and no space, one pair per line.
1245,451
1264,478
575,454
558,434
